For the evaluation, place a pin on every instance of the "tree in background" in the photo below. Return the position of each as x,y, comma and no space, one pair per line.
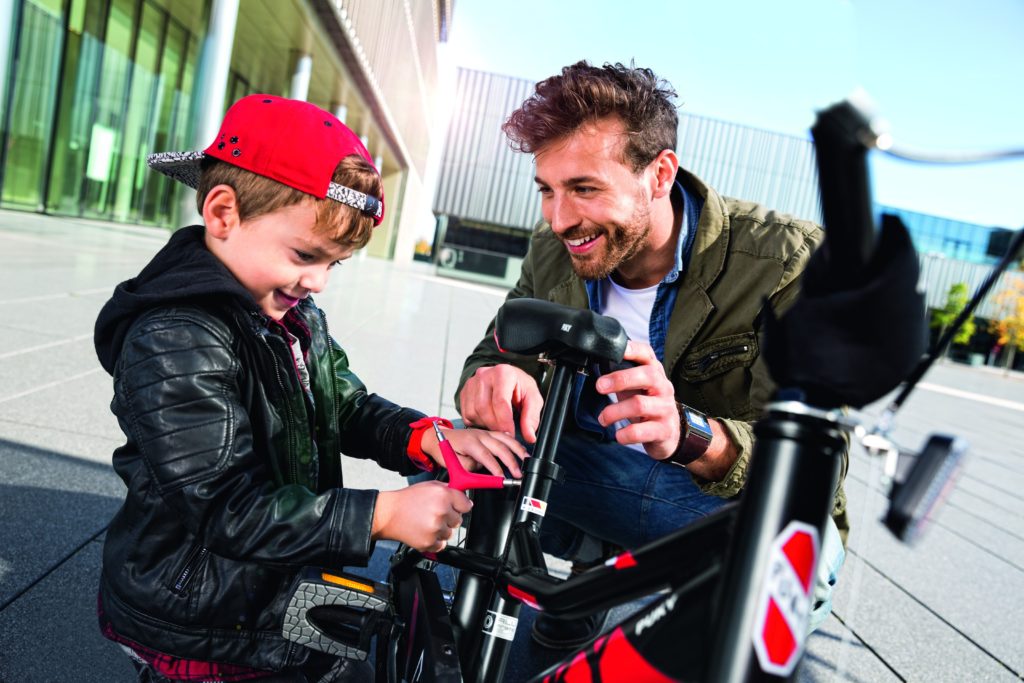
1008,323
943,317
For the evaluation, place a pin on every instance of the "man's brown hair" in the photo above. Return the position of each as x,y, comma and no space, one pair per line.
258,195
583,93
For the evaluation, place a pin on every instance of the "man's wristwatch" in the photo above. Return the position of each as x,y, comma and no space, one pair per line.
695,438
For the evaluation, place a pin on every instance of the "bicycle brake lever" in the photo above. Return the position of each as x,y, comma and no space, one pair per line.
459,478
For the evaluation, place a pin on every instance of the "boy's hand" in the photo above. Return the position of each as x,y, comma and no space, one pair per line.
478,448
422,516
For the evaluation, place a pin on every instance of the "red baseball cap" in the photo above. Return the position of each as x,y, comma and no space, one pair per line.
293,142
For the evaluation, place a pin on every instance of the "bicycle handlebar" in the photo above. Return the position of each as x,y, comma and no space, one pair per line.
842,136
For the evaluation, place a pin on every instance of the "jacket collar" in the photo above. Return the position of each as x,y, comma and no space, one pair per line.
712,239
710,247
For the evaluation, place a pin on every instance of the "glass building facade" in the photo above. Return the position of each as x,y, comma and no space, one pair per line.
95,86
89,88
951,238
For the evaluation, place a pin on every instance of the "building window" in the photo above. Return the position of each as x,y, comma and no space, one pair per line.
26,139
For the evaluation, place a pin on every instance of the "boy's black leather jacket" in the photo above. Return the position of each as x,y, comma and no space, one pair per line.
233,471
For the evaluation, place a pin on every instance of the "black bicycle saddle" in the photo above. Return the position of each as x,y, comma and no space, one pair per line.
531,327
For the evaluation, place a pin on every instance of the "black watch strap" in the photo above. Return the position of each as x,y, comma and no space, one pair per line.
694,438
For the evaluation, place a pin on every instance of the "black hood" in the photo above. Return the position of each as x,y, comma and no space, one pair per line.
183,270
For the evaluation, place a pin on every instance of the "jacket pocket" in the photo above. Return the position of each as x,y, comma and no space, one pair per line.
193,565
716,376
717,356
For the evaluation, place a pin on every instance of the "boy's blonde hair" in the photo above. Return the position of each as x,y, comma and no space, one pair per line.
258,195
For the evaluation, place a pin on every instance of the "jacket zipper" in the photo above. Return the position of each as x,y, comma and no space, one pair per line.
293,465
195,559
704,363
334,375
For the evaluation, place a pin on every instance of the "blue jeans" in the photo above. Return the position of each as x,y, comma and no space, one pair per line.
617,494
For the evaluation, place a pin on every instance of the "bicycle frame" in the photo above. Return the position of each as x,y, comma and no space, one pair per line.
797,464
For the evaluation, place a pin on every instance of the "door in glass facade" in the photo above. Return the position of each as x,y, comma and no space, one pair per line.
82,59
107,129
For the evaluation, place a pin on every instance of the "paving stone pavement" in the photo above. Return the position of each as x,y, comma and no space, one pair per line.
949,609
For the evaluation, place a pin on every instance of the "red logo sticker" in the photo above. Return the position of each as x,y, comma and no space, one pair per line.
784,604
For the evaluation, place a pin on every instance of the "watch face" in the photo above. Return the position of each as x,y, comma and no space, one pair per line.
698,422
694,440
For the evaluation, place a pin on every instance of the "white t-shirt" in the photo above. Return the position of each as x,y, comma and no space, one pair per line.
632,308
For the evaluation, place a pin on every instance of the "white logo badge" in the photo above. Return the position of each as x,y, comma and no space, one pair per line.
534,506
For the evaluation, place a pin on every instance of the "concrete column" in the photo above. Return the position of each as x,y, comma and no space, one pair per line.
300,78
211,84
341,111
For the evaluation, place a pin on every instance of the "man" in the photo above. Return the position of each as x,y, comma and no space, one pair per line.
630,234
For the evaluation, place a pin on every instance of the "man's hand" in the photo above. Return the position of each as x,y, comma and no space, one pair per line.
646,398
422,516
490,397
476,448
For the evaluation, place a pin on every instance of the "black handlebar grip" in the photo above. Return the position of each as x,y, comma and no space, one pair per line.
840,137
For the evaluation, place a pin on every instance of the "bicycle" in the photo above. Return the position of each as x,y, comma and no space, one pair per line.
738,582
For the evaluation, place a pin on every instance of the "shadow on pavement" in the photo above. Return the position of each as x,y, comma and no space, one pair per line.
53,510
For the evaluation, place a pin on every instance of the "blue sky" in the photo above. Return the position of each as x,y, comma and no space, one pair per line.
947,75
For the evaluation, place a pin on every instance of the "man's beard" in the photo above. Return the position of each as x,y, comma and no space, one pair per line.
621,243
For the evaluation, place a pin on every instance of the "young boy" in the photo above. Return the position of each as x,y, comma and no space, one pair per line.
236,405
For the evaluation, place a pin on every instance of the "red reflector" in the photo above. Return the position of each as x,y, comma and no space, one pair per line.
625,560
523,596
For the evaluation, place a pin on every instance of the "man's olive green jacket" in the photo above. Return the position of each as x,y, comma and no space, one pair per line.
742,253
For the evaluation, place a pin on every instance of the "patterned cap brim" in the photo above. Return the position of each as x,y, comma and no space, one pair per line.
185,168
182,166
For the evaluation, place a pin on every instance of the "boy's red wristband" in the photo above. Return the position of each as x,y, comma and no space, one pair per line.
415,448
